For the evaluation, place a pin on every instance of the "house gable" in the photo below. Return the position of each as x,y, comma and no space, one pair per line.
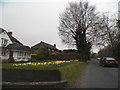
4,38
51,48
43,44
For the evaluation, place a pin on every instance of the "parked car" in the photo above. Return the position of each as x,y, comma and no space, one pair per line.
98,59
108,61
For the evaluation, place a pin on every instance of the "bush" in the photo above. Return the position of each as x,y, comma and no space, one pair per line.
43,53
5,61
11,59
32,60
25,75
54,56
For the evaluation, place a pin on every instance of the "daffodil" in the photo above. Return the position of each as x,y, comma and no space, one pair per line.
45,63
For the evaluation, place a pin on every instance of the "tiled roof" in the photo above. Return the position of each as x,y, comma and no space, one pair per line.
13,39
18,47
1,30
43,44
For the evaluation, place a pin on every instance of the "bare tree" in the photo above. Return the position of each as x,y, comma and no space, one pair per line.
108,32
76,26
117,47
108,35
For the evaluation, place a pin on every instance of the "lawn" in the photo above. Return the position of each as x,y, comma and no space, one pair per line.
70,70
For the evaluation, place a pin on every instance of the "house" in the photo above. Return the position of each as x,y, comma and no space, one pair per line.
10,47
51,48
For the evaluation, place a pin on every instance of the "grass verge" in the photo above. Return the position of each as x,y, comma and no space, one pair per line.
71,72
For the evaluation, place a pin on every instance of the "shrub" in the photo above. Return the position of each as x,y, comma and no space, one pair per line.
38,76
32,60
69,71
43,53
11,59
5,61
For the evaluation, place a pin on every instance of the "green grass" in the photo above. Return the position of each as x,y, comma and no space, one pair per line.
72,71
69,71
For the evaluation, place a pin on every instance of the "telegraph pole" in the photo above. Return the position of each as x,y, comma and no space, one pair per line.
118,15
118,21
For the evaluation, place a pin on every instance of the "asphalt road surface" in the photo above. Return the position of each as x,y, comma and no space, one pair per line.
95,76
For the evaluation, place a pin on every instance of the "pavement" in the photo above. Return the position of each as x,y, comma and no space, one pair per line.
95,76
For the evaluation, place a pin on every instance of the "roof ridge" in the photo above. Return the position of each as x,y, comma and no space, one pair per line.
13,39
2,30
47,43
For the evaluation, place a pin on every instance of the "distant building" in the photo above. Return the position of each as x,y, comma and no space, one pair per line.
10,47
51,48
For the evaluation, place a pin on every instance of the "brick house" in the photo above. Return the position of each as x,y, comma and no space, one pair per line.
51,48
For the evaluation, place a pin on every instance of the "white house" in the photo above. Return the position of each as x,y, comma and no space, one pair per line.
10,47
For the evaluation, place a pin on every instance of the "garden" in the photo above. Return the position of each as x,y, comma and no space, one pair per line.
43,71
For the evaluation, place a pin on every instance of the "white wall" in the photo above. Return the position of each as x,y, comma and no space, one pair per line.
14,54
17,56
5,36
5,57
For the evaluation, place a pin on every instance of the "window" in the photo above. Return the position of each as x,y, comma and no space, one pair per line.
109,58
22,54
25,53
4,42
48,49
28,54
19,54
3,54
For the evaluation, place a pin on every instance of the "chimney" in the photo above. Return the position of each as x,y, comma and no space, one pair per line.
55,45
10,33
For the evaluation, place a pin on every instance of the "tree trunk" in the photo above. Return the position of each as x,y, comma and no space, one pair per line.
82,46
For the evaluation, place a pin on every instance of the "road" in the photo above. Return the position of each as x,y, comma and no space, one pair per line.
95,76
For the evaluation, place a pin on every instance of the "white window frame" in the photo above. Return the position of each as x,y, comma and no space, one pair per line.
4,42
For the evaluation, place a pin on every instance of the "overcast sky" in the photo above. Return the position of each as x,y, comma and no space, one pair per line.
33,21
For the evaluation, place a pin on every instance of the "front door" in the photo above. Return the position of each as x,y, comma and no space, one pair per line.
11,54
